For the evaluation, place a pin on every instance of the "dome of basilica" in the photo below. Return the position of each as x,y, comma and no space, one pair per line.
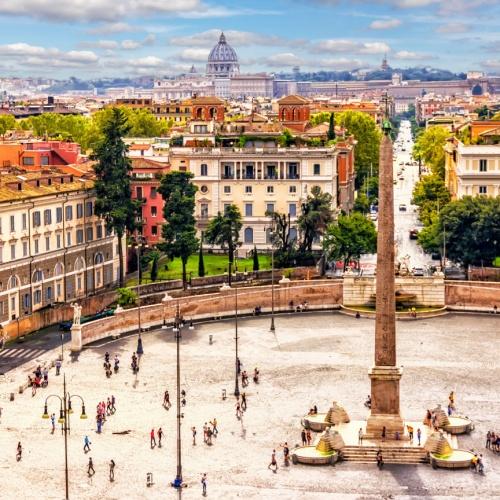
222,60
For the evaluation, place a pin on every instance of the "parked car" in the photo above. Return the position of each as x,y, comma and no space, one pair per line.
436,256
413,234
418,271
402,207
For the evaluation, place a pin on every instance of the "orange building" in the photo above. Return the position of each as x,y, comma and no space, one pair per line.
294,112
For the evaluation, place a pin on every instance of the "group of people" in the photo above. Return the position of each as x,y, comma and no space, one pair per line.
210,430
152,439
91,470
107,364
302,306
241,406
493,441
104,408
40,379
244,377
306,437
273,465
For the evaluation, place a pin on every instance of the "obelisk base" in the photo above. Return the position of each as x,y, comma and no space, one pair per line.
385,403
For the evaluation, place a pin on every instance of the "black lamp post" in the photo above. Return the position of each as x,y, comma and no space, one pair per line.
140,244
64,413
62,346
177,330
237,364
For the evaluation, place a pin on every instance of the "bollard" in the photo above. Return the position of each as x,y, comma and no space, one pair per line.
12,396
21,389
149,479
210,339
224,395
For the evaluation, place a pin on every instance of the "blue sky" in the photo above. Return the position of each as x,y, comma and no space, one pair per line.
96,38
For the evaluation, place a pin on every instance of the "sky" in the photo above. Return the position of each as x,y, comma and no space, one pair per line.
109,38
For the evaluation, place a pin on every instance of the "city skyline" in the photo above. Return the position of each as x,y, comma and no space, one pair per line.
151,37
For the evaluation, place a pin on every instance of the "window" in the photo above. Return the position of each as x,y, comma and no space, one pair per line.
47,243
49,293
248,209
79,210
25,221
154,230
25,248
139,193
37,246
293,234
45,160
227,189
204,210
292,189
316,169
58,240
270,189
37,276
12,223
79,236
154,211
28,160
47,217
37,297
90,233
152,193
248,235
12,251
89,209
292,209
26,301
59,214
226,207
36,218
204,189
68,239
483,165
99,231
69,212
270,208
204,169
248,189
483,189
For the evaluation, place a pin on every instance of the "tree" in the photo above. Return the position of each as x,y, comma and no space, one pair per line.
126,297
429,147
362,203
281,234
7,122
350,237
224,230
431,195
155,258
112,185
179,232
201,262
255,259
331,128
321,117
316,214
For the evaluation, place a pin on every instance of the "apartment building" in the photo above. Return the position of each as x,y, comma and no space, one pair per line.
53,248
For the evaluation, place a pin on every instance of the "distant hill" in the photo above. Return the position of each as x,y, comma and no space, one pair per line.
73,84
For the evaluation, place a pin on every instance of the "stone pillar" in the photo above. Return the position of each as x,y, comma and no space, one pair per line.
385,375
76,338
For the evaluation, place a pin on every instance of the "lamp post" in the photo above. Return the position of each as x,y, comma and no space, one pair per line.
271,234
177,330
140,244
62,346
236,381
64,413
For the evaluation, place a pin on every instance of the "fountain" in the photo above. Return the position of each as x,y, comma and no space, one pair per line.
324,453
320,421
455,424
443,455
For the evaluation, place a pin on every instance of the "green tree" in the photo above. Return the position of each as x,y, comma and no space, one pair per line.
365,131
331,128
7,122
429,148
430,195
255,259
350,237
362,203
316,214
126,297
144,124
224,230
155,258
286,139
201,262
430,237
112,185
318,118
179,232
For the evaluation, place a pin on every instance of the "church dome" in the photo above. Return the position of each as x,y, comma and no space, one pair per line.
222,60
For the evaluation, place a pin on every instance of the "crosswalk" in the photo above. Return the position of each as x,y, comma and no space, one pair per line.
20,354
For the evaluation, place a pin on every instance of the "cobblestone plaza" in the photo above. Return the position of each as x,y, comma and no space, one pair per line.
311,359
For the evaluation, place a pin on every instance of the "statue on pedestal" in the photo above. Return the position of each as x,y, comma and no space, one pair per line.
77,313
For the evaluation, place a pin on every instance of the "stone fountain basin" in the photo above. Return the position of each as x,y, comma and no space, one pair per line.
311,456
459,425
457,459
316,423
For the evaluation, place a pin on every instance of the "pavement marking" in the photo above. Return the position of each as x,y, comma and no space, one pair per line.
21,353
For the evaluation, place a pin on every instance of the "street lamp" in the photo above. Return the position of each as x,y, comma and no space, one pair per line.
62,346
64,412
236,381
139,244
177,330
271,232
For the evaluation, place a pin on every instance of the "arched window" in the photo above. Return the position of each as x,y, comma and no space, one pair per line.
58,269
295,114
99,259
213,112
248,235
37,276
13,282
79,264
199,113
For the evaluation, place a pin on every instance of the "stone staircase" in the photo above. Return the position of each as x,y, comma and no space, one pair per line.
391,454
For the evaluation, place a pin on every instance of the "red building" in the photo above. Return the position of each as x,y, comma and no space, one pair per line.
346,173
207,109
294,112
146,175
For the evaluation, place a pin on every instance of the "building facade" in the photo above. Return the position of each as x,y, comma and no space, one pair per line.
53,248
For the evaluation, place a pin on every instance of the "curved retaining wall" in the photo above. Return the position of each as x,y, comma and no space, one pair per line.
475,294
320,294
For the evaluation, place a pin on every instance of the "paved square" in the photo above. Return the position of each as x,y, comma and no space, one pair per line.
312,359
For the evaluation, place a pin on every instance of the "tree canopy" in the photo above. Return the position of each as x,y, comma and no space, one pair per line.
429,148
430,194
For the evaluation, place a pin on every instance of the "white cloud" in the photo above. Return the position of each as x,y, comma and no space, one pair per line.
283,59
350,46
453,28
194,55
340,64
493,64
147,62
51,56
411,56
385,24
111,28
124,44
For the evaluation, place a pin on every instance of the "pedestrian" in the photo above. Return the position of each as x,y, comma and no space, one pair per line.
209,436
419,435
113,402
108,407
19,452
495,309
410,432
488,440
205,429
90,467
303,436
86,444
380,459
450,410
244,401
99,423
286,454
384,431
213,423
53,422
160,435
193,430
308,437
112,470
58,366
166,400
360,436
152,438
273,464
239,413
204,484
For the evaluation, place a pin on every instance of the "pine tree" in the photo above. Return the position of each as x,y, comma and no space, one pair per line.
255,259
201,263
331,128
154,266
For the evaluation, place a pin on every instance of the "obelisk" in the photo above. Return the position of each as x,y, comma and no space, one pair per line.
385,374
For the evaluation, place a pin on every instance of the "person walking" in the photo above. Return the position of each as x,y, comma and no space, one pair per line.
193,431
243,401
380,459
152,438
112,470
488,440
113,402
308,437
303,436
86,444
360,436
384,431
213,423
286,454
90,467
166,400
53,422
58,366
274,464
209,436
410,432
160,435
19,452
205,429
239,413
204,484
419,435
